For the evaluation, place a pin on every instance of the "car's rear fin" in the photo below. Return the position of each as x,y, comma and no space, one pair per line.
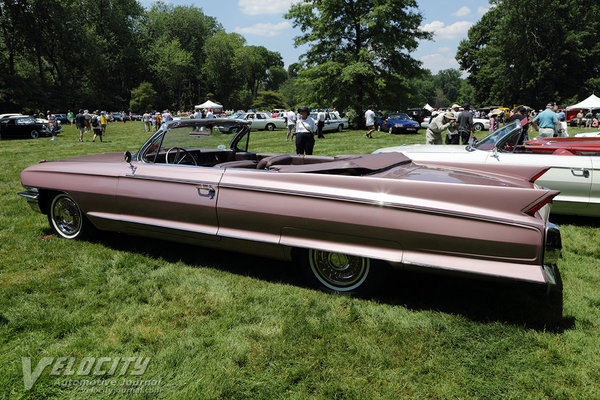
534,207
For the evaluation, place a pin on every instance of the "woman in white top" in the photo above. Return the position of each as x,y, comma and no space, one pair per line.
305,132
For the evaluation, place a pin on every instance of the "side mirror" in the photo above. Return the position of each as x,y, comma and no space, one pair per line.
127,157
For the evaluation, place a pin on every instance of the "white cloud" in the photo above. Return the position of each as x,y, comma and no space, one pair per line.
482,10
463,11
266,30
444,49
442,31
436,62
259,7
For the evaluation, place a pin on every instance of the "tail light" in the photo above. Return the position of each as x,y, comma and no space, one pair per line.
536,207
538,175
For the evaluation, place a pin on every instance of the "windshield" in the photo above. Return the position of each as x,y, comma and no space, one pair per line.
195,137
237,116
500,138
400,116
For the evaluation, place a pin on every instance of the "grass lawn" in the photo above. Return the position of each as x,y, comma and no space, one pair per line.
220,325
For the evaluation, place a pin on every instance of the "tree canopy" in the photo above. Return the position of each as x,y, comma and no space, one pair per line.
533,51
359,50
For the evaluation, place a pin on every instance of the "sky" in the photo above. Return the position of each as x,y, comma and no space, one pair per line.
262,23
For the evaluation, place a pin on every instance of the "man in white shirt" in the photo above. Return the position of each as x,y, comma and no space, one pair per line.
305,132
291,124
370,121
320,124
209,114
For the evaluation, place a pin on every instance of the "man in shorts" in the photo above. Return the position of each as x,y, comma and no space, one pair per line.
95,122
370,121
291,124
80,123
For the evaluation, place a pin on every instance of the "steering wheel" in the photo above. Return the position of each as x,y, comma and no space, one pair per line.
180,155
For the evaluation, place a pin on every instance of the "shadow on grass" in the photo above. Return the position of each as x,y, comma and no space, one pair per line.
479,300
592,222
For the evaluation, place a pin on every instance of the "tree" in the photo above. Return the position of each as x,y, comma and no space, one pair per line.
268,100
359,50
143,98
549,52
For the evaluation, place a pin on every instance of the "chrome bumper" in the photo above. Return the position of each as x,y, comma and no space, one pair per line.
552,253
32,196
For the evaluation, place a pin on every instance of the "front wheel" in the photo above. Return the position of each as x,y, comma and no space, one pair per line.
34,134
391,130
66,218
338,272
478,127
340,128
270,127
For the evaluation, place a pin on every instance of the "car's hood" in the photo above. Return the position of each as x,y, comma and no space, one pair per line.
419,148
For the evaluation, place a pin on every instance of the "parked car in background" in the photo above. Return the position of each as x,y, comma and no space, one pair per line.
343,219
23,127
62,118
333,121
260,120
397,123
577,176
418,114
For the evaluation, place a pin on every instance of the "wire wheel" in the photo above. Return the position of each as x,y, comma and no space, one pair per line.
338,272
65,217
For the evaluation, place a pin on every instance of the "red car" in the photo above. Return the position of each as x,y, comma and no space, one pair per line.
342,218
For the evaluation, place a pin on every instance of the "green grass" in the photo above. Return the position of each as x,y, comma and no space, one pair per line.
221,325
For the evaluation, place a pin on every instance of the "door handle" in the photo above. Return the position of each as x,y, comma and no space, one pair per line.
581,172
206,191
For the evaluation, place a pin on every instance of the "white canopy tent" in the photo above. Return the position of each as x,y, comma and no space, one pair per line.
209,104
590,103
428,107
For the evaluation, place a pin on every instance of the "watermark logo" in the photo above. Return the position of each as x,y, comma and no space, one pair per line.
98,371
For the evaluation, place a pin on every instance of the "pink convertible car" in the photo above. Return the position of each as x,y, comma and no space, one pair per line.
340,217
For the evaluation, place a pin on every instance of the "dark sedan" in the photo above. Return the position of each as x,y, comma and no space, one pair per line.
21,126
397,123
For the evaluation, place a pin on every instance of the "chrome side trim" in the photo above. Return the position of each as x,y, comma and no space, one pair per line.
32,195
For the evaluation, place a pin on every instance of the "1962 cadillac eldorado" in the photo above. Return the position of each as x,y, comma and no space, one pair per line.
340,217
576,174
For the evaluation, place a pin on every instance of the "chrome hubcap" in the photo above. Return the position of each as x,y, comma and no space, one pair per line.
66,216
339,271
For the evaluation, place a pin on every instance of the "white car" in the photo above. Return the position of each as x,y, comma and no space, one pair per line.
260,120
576,176
479,124
333,121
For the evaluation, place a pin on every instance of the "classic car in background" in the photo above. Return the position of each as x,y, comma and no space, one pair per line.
259,120
333,121
22,126
342,218
397,123
576,176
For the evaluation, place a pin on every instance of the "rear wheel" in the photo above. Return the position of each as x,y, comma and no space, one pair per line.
34,134
478,126
66,218
338,272
379,128
270,127
340,128
391,130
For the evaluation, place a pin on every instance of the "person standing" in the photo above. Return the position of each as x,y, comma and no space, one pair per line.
153,119
88,118
439,124
71,117
95,122
209,114
80,124
320,124
291,124
52,124
546,122
158,120
198,114
465,125
305,132
521,115
147,121
103,122
370,121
